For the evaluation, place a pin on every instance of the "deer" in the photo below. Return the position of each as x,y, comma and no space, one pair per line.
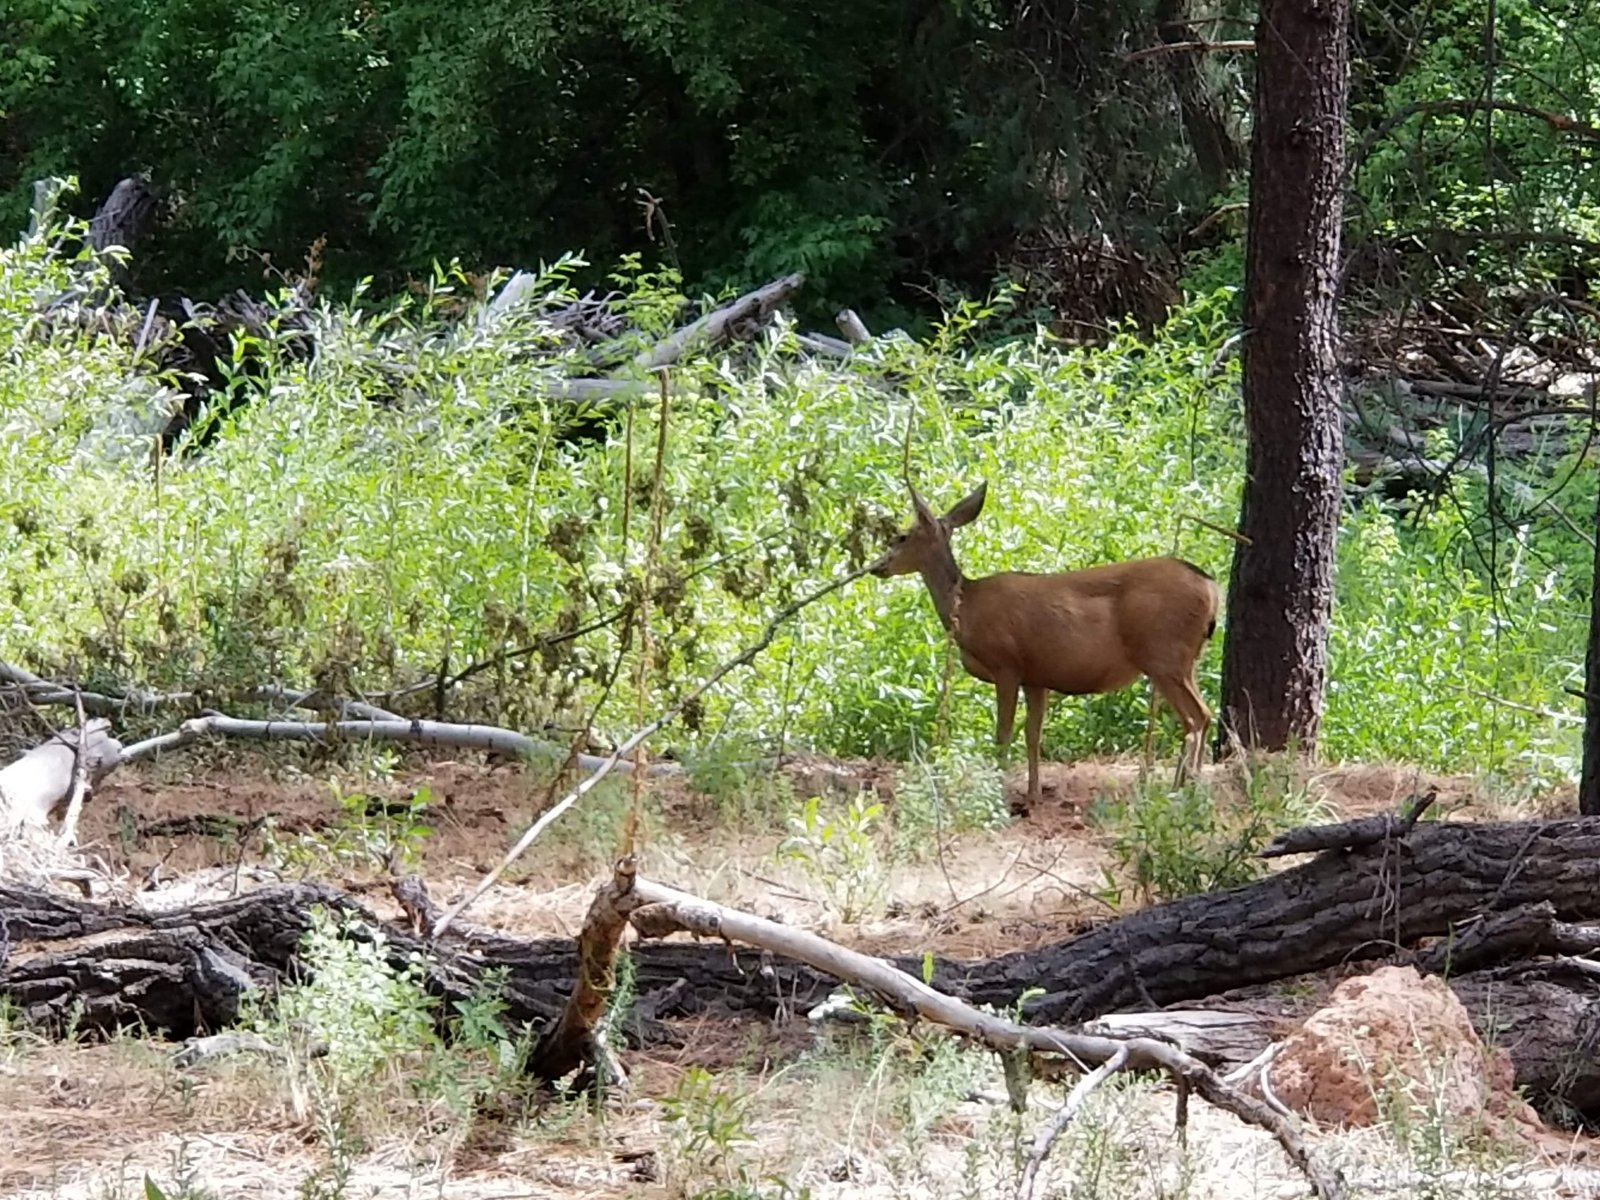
1077,633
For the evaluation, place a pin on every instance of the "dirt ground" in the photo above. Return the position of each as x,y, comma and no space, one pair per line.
92,1121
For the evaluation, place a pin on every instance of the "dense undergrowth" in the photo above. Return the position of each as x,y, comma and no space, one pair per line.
408,498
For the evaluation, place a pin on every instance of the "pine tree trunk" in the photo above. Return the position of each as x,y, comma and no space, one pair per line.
1274,662
1589,784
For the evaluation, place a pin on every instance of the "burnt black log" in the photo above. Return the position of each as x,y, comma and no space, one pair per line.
183,972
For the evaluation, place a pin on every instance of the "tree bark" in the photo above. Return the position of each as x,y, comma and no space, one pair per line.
184,972
1274,661
1589,782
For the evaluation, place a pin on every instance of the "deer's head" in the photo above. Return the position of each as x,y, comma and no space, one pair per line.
928,538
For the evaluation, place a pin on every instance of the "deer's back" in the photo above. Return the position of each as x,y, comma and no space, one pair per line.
1087,631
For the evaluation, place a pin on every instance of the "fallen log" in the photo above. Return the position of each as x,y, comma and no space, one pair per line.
1343,906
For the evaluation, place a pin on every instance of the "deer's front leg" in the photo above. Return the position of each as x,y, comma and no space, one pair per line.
1005,691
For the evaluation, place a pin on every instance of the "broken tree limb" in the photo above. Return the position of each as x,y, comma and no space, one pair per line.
713,328
1340,907
44,691
1519,933
37,783
574,1040
82,766
853,327
912,998
1048,1135
638,738
186,972
1363,831
423,733
717,326
1537,1010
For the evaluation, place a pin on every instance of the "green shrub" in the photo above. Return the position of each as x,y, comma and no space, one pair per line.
409,498
1173,842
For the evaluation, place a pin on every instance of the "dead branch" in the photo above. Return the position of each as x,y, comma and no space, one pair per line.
46,692
492,738
1347,835
637,738
43,691
718,325
714,327
1560,122
1048,1135
80,787
1524,932
912,998
853,328
1194,47
574,1040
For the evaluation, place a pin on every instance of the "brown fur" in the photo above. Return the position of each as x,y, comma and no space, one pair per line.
1077,632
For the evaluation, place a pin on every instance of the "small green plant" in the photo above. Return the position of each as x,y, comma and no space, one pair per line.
369,831
741,787
185,1184
953,790
838,853
364,1015
1172,842
707,1122
1443,1147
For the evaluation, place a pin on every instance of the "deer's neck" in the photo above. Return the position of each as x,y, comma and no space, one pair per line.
945,584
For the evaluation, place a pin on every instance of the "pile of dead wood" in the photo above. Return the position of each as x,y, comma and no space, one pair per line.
594,356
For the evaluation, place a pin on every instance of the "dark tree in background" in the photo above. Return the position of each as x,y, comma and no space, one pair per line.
1589,784
1274,661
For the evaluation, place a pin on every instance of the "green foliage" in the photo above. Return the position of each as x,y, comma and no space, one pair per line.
361,1033
369,832
1442,175
708,1123
869,145
1174,842
951,790
408,498
839,854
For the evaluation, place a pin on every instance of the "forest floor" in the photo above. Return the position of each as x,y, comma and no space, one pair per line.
786,1110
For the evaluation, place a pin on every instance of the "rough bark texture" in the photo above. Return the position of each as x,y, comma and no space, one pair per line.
1589,784
1274,661
573,1041
183,972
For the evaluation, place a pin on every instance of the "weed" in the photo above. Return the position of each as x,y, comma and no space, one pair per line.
742,789
838,854
950,791
185,1183
1443,1151
369,832
1171,842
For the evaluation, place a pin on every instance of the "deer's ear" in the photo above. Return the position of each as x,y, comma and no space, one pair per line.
967,510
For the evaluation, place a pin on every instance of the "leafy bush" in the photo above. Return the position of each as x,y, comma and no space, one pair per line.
409,498
949,791
837,851
1174,842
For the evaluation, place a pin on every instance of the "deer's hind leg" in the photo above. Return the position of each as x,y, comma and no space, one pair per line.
1183,695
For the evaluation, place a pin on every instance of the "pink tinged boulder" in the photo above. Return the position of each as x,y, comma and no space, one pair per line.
1395,1033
